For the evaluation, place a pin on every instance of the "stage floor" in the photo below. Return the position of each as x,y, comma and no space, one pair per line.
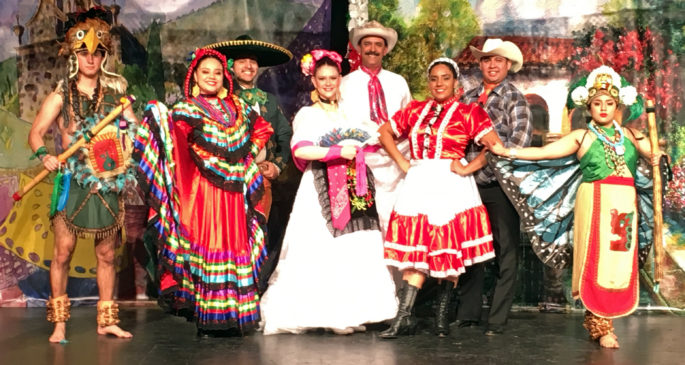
531,338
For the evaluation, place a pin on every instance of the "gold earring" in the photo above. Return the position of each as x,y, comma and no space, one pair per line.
195,91
223,93
314,96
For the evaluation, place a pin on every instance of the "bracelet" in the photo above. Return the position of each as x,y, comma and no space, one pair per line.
40,152
513,152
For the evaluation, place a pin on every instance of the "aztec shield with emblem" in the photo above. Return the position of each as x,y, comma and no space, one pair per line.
106,155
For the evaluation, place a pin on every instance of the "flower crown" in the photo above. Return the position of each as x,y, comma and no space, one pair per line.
604,78
309,60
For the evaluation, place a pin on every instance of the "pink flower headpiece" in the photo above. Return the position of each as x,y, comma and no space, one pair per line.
309,60
199,55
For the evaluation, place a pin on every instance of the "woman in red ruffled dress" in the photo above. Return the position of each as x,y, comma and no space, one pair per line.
439,224
204,189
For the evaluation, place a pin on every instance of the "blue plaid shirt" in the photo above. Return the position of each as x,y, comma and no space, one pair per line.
510,114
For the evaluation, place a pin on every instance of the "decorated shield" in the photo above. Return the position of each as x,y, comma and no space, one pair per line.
106,154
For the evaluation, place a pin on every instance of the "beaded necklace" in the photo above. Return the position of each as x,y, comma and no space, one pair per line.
226,116
92,104
613,150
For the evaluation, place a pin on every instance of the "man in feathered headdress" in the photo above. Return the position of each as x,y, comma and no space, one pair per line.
90,200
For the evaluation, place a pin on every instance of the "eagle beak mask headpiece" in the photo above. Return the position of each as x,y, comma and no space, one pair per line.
90,35
87,31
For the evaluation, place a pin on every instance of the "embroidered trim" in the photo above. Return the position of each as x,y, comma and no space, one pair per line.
402,265
360,220
446,251
476,242
482,258
393,125
447,273
405,248
415,130
441,131
482,134
439,134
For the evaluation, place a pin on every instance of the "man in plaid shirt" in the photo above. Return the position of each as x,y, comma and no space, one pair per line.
511,117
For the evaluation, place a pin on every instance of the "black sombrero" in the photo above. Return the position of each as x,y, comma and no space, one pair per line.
267,54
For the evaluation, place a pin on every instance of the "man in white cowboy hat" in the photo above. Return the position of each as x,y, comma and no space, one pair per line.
372,93
247,56
511,117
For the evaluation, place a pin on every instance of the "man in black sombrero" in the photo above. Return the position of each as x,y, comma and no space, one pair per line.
245,56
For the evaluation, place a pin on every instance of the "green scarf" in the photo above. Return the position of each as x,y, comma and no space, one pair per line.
252,96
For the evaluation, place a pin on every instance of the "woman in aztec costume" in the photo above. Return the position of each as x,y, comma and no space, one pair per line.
198,165
597,169
439,224
331,272
87,199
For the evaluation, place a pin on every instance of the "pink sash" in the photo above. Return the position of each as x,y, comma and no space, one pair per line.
337,179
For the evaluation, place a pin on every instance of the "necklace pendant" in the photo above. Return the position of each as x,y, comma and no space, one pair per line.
620,150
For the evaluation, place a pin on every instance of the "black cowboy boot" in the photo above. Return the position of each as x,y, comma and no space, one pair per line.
443,299
404,322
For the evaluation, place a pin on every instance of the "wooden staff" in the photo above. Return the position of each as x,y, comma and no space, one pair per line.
658,219
126,101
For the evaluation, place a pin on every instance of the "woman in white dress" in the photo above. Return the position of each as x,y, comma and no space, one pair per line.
331,272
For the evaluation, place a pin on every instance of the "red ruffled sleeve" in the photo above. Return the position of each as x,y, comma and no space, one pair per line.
404,119
478,123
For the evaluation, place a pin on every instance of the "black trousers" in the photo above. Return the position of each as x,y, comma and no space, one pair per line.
506,233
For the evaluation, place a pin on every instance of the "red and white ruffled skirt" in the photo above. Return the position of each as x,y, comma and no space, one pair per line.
439,224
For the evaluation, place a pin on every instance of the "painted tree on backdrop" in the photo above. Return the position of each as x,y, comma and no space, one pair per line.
9,96
441,28
155,71
147,84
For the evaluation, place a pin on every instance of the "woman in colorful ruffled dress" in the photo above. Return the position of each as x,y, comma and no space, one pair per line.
204,188
439,224
606,215
331,273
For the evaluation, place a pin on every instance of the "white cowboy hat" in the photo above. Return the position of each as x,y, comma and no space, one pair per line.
373,28
498,47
